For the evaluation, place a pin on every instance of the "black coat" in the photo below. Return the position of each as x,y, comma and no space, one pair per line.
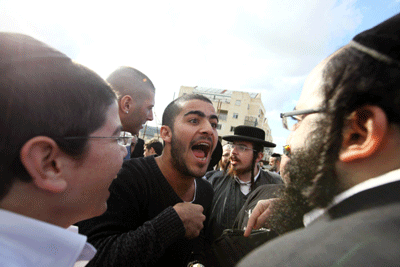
228,199
363,230
261,193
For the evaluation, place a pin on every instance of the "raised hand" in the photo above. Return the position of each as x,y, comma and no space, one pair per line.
192,217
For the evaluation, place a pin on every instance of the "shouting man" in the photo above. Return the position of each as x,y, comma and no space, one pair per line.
158,204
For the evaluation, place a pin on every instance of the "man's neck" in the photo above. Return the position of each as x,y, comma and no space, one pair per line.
246,177
27,201
183,186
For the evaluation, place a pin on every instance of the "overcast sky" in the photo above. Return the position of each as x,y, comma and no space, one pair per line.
262,46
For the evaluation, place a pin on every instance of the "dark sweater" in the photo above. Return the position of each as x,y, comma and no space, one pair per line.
140,227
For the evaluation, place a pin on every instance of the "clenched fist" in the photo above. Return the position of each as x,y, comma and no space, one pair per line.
192,217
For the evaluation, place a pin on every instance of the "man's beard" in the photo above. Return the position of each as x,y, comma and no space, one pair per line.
233,171
303,166
178,160
273,168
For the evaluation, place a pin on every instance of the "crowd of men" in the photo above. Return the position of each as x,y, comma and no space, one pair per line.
68,197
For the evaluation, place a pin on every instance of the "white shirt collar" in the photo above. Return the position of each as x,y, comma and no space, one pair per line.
26,241
386,178
245,186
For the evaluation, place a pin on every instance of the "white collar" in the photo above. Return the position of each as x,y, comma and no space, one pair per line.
30,242
195,192
245,186
386,178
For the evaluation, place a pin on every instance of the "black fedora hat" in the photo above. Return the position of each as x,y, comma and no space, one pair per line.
249,133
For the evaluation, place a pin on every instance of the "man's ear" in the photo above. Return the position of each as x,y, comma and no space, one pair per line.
259,156
166,133
126,103
364,133
42,159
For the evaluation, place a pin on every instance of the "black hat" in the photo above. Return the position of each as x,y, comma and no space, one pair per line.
381,42
249,133
216,156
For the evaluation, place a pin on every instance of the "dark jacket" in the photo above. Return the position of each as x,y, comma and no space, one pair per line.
228,199
362,230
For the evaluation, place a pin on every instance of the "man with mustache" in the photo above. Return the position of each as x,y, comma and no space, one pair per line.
344,160
158,204
231,189
275,163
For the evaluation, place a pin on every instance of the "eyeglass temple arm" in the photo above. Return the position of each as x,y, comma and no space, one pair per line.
299,112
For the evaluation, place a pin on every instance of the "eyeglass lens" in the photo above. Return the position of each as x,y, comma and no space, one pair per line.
125,138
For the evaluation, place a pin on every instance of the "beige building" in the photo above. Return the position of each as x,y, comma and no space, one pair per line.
235,108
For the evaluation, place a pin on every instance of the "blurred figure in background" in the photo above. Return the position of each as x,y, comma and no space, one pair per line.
152,147
275,163
224,162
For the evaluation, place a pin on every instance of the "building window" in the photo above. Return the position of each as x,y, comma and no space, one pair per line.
219,126
223,114
238,102
232,128
235,115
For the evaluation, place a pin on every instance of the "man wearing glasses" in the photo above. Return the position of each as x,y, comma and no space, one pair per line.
244,175
344,160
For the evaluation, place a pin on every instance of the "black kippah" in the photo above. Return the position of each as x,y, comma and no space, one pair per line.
382,42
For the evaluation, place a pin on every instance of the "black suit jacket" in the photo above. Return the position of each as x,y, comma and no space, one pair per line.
363,230
228,199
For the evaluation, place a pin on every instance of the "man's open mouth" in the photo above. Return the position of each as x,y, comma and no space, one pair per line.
201,150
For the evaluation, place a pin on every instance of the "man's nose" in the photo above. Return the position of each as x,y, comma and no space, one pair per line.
207,128
150,116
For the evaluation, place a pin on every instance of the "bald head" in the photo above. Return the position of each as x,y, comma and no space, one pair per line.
135,97
129,81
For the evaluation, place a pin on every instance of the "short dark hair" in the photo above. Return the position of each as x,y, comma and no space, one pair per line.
44,93
175,107
352,79
156,145
277,156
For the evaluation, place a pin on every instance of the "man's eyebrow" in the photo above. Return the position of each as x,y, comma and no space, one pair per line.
201,114
196,112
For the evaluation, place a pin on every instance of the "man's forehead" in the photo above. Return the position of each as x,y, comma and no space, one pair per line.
196,105
312,93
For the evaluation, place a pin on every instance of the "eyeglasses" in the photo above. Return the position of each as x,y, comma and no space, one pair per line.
241,148
289,119
286,150
124,139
